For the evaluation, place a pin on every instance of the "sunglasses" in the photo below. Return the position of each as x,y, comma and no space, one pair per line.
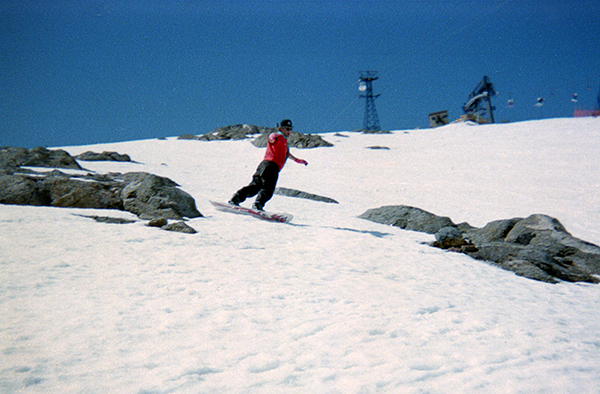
287,128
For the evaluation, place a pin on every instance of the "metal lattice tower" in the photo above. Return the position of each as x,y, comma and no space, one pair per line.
365,84
480,103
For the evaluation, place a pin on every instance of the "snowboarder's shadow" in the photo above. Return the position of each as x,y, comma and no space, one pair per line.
377,234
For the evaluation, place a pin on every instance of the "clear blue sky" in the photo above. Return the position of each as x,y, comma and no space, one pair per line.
88,71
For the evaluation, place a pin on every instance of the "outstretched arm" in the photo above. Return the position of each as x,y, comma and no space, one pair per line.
297,160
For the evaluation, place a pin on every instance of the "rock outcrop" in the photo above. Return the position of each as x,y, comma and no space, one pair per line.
260,135
295,140
143,194
282,191
104,156
537,247
150,196
11,159
408,218
235,132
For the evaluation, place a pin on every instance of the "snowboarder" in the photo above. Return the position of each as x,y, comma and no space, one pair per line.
265,178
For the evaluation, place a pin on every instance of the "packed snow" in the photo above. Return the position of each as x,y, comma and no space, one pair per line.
327,304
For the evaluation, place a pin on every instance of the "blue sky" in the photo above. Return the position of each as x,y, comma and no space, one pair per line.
80,72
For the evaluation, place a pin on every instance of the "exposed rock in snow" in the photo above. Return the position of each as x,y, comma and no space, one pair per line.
243,131
282,191
13,158
141,193
537,247
408,218
104,156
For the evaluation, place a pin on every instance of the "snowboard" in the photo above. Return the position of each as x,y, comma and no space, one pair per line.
273,217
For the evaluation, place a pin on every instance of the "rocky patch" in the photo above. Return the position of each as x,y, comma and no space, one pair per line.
104,156
260,135
537,247
146,195
235,132
11,159
377,147
408,218
282,191
295,140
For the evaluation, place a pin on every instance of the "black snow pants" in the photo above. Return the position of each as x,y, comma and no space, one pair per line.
263,183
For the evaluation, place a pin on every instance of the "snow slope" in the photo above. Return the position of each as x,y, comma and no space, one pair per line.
327,304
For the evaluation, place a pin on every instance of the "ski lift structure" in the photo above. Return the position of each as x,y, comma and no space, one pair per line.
575,97
365,85
539,101
479,108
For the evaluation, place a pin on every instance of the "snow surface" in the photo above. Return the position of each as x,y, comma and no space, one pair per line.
328,304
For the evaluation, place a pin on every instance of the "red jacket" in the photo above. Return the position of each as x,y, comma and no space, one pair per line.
277,149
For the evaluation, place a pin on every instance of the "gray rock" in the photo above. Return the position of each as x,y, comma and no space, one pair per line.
537,247
13,158
527,229
180,227
150,196
408,218
188,137
146,195
528,270
449,238
376,132
244,131
282,191
492,232
158,222
23,190
59,190
377,147
541,241
104,156
295,140
75,192
235,132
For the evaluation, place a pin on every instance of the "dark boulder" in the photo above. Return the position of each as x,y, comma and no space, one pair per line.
295,140
150,196
452,238
179,227
235,132
21,189
13,158
539,240
143,194
104,156
282,191
537,247
408,218
495,231
244,131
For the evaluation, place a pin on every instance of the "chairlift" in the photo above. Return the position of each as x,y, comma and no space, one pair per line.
540,102
574,98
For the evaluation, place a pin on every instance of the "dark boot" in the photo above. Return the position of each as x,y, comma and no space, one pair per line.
235,200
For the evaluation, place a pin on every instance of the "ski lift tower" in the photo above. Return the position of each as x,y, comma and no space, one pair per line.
480,102
365,84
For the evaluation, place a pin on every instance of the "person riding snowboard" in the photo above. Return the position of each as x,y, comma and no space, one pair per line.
265,178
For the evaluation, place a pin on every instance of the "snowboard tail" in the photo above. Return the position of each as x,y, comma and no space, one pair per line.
273,217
